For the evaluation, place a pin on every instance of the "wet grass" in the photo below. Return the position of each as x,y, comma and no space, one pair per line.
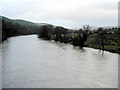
111,42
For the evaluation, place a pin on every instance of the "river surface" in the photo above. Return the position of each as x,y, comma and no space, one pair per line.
30,62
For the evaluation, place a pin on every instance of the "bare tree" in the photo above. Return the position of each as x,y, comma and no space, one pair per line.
101,37
87,29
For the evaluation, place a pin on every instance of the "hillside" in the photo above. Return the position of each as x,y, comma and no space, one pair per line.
15,27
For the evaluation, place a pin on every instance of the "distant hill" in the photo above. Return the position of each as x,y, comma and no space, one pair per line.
23,22
43,24
14,27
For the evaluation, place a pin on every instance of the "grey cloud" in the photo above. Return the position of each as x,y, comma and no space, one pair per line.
69,13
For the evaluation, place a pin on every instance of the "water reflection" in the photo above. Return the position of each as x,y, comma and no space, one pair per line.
79,49
29,62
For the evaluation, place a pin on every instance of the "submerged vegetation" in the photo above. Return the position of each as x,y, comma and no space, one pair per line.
104,40
99,38
62,35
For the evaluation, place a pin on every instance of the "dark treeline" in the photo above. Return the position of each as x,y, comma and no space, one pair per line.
9,29
63,35
105,39
100,38
16,27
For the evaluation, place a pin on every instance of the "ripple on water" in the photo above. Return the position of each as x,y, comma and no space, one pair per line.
29,62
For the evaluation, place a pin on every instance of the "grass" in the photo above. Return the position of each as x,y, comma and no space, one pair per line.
111,42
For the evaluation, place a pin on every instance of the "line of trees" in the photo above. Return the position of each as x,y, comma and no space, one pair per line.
105,39
102,38
10,29
108,37
63,35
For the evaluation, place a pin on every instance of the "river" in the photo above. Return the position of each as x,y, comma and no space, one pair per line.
30,62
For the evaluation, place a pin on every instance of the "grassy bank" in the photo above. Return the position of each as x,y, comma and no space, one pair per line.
103,39
111,42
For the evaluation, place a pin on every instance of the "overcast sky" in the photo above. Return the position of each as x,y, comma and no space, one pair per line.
67,13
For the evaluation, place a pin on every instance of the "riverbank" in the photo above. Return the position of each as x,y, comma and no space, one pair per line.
110,49
91,44
103,39
111,42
